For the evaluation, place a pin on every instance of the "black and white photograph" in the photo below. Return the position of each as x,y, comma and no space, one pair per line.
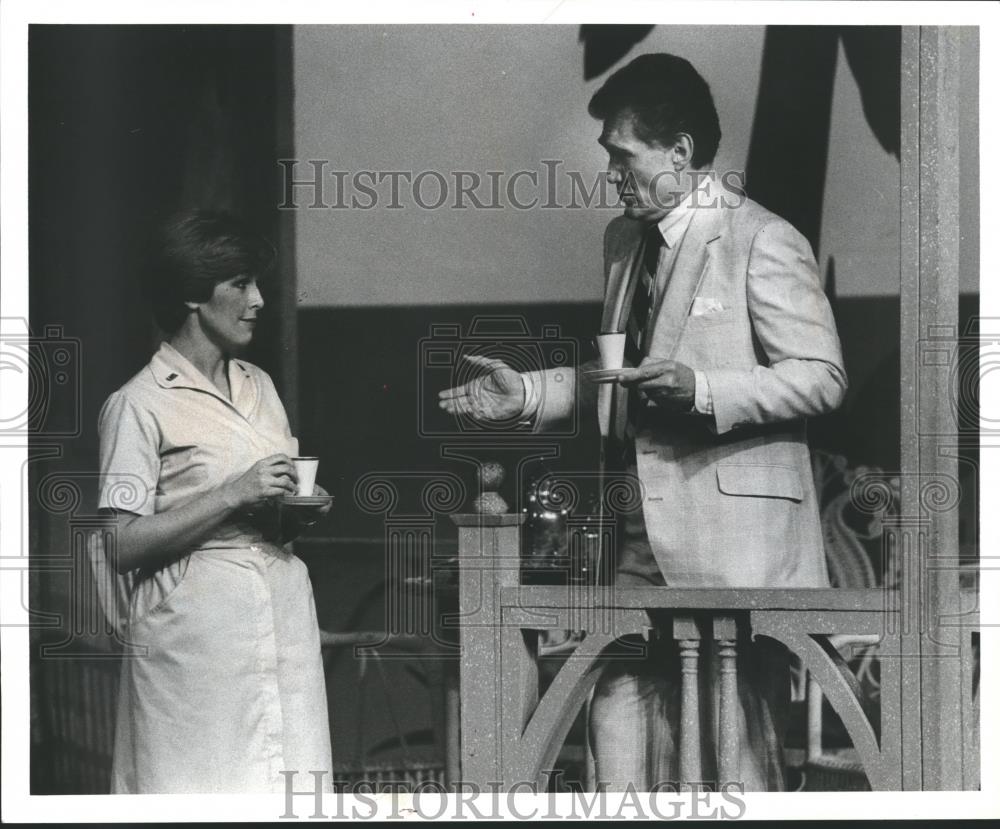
534,410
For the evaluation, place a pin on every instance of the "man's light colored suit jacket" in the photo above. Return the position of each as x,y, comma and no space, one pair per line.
728,499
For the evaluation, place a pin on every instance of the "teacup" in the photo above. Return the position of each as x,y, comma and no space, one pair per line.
612,350
305,468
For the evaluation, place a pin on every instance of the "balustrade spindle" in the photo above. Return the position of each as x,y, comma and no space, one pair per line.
728,742
688,638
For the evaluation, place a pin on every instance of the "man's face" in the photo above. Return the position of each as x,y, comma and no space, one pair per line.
643,174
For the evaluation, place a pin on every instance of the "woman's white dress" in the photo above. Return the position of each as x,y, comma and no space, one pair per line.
223,687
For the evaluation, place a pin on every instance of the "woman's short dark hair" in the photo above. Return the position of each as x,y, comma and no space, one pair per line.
667,96
195,250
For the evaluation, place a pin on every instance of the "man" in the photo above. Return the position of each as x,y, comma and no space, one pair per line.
736,345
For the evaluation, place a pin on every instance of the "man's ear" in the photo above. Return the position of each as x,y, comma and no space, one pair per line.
682,151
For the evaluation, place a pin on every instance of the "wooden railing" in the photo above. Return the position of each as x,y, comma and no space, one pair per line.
511,734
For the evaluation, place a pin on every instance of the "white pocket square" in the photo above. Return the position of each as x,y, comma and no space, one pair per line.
705,305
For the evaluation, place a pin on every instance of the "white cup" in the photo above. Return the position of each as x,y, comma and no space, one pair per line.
612,349
306,468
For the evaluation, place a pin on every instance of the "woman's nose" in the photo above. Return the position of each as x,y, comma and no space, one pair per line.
256,298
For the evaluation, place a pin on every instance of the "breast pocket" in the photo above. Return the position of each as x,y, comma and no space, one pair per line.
710,319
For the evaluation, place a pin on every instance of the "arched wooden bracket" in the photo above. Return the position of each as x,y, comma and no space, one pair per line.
536,744
829,647
807,637
533,729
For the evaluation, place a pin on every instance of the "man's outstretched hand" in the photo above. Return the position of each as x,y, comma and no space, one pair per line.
495,394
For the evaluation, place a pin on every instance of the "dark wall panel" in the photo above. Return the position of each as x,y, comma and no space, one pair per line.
126,124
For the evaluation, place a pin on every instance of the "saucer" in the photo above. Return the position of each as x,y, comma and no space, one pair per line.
605,375
306,500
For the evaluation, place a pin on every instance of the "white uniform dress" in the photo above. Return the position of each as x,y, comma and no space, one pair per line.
230,690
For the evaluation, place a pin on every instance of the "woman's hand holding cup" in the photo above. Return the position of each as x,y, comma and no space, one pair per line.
270,477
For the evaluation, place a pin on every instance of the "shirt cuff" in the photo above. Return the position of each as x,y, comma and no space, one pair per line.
702,394
531,398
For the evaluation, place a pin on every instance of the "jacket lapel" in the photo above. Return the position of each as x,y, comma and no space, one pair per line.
620,284
625,241
671,311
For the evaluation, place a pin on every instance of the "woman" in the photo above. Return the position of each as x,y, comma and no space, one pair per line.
225,690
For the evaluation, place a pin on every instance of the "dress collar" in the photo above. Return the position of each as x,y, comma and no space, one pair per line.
172,370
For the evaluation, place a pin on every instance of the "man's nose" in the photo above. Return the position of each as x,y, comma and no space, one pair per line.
613,174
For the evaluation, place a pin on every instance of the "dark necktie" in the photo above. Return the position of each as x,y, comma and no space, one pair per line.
636,344
642,298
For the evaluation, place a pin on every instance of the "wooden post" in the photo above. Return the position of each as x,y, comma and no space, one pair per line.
488,560
903,538
932,752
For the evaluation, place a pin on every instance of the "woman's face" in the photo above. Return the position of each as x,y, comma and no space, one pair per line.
230,315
